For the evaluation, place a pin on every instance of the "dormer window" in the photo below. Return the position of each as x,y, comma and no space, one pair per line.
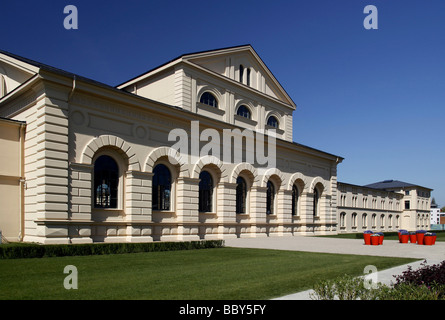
272,122
243,111
209,99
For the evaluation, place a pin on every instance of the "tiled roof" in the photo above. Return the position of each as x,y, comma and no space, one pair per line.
392,184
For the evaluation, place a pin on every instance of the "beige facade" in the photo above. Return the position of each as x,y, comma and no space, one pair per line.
11,178
96,163
77,129
385,206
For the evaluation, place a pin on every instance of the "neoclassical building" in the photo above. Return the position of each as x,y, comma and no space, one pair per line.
96,163
197,148
388,205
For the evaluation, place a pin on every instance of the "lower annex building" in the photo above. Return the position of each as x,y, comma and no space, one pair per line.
85,162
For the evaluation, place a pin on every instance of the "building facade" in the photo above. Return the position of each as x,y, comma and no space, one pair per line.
198,148
383,206
437,217
12,135
101,163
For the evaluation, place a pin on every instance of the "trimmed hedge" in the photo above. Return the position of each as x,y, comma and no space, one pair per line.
32,250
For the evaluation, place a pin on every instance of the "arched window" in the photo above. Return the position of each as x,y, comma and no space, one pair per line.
205,192
364,220
343,220
316,202
106,182
354,220
161,188
241,195
209,99
243,111
272,122
295,197
270,198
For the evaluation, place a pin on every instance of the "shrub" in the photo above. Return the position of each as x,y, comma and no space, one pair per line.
425,283
426,275
409,291
14,251
341,288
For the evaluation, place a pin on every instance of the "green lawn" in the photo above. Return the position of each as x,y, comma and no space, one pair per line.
216,274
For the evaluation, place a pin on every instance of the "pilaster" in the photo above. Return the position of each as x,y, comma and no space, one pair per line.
257,210
187,207
51,167
226,208
138,206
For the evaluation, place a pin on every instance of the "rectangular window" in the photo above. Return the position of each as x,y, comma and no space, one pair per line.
407,205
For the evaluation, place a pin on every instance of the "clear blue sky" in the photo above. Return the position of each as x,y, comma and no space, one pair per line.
374,97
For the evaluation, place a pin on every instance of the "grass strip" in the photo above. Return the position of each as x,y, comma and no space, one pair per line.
205,274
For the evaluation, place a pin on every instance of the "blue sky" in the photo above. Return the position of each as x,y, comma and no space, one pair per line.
374,97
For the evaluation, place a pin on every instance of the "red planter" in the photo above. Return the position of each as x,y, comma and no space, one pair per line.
420,237
428,240
381,239
434,239
404,238
412,238
367,238
400,234
375,240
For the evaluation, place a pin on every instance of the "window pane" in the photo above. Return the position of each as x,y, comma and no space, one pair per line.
295,195
270,198
161,188
241,73
407,205
272,121
205,192
316,198
243,111
241,195
209,99
106,181
248,76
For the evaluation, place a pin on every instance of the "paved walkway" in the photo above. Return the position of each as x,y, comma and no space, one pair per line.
390,248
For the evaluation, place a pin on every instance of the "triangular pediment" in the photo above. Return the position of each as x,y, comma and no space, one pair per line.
228,63
14,71
224,63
